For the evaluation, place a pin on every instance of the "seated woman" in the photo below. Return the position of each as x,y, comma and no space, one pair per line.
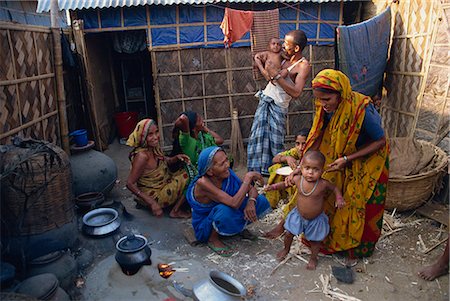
191,136
221,203
290,158
149,179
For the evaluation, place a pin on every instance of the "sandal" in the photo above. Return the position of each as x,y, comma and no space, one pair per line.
224,252
246,234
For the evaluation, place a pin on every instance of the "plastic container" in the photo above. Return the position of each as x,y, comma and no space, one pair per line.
80,137
126,122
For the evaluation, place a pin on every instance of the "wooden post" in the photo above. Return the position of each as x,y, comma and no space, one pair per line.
59,77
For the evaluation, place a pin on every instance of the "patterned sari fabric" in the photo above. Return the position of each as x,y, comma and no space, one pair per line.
161,184
223,219
356,227
274,196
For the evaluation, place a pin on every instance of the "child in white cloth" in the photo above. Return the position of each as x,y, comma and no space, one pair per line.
308,216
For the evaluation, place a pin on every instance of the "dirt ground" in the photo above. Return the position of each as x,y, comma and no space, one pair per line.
390,274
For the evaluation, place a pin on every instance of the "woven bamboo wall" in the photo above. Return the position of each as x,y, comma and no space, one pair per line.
213,81
416,100
28,103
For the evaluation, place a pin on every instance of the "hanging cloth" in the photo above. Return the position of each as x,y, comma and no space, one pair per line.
265,27
235,24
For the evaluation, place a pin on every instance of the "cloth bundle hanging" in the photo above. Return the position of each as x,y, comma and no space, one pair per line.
362,52
235,24
265,27
237,143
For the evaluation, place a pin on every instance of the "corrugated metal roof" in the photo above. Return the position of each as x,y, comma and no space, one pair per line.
44,5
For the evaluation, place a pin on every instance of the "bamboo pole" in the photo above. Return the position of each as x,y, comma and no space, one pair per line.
57,52
28,124
26,79
433,27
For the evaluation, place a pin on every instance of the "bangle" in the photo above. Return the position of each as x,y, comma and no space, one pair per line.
252,199
276,77
138,193
345,158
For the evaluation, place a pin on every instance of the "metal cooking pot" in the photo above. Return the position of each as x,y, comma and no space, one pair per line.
219,287
132,253
101,221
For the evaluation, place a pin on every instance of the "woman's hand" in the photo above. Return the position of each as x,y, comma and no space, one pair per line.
291,162
253,176
183,158
338,164
250,211
156,209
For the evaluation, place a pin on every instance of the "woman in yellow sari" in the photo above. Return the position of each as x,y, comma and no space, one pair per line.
347,130
150,179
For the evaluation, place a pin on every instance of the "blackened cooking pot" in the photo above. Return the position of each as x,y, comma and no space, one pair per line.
132,252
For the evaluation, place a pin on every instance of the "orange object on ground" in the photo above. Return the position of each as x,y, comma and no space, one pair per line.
235,24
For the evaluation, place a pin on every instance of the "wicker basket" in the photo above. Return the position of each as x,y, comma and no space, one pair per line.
41,171
405,192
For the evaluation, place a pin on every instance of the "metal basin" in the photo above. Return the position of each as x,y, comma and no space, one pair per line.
101,221
219,287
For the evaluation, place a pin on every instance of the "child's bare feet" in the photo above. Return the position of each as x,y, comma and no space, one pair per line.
282,254
275,232
433,271
312,263
179,214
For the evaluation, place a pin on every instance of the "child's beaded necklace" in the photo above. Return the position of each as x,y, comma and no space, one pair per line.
312,190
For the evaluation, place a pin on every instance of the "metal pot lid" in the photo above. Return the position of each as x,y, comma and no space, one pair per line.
40,286
48,258
100,217
131,243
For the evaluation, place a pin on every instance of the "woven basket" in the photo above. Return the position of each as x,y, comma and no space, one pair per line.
413,190
48,184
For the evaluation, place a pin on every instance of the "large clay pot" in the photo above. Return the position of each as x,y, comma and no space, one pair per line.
92,171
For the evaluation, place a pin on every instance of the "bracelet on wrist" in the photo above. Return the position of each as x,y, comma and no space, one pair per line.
252,199
345,158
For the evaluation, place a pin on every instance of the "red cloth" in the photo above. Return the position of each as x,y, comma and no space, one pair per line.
235,24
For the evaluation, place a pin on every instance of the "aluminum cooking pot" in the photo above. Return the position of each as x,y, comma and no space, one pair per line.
101,221
219,287
132,252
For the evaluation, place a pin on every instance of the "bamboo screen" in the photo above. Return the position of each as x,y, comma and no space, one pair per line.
417,78
28,103
214,81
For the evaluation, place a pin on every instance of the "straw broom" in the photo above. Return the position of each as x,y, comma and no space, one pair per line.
237,144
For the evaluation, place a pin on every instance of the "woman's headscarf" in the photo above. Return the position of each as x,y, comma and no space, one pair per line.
138,138
206,158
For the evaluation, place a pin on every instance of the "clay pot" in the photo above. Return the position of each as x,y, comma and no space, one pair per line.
132,252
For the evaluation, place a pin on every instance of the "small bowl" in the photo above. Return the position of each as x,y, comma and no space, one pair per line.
101,221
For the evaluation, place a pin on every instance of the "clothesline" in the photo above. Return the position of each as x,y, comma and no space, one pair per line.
288,6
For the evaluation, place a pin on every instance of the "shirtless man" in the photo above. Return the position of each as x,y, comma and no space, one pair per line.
269,124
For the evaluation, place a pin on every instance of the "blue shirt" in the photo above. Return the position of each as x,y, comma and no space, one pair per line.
371,129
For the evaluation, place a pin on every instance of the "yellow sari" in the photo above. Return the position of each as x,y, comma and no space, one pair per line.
160,183
357,226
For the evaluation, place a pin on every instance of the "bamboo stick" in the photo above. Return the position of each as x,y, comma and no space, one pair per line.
13,60
26,79
204,71
41,93
28,124
205,97
23,27
58,63
157,96
426,65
